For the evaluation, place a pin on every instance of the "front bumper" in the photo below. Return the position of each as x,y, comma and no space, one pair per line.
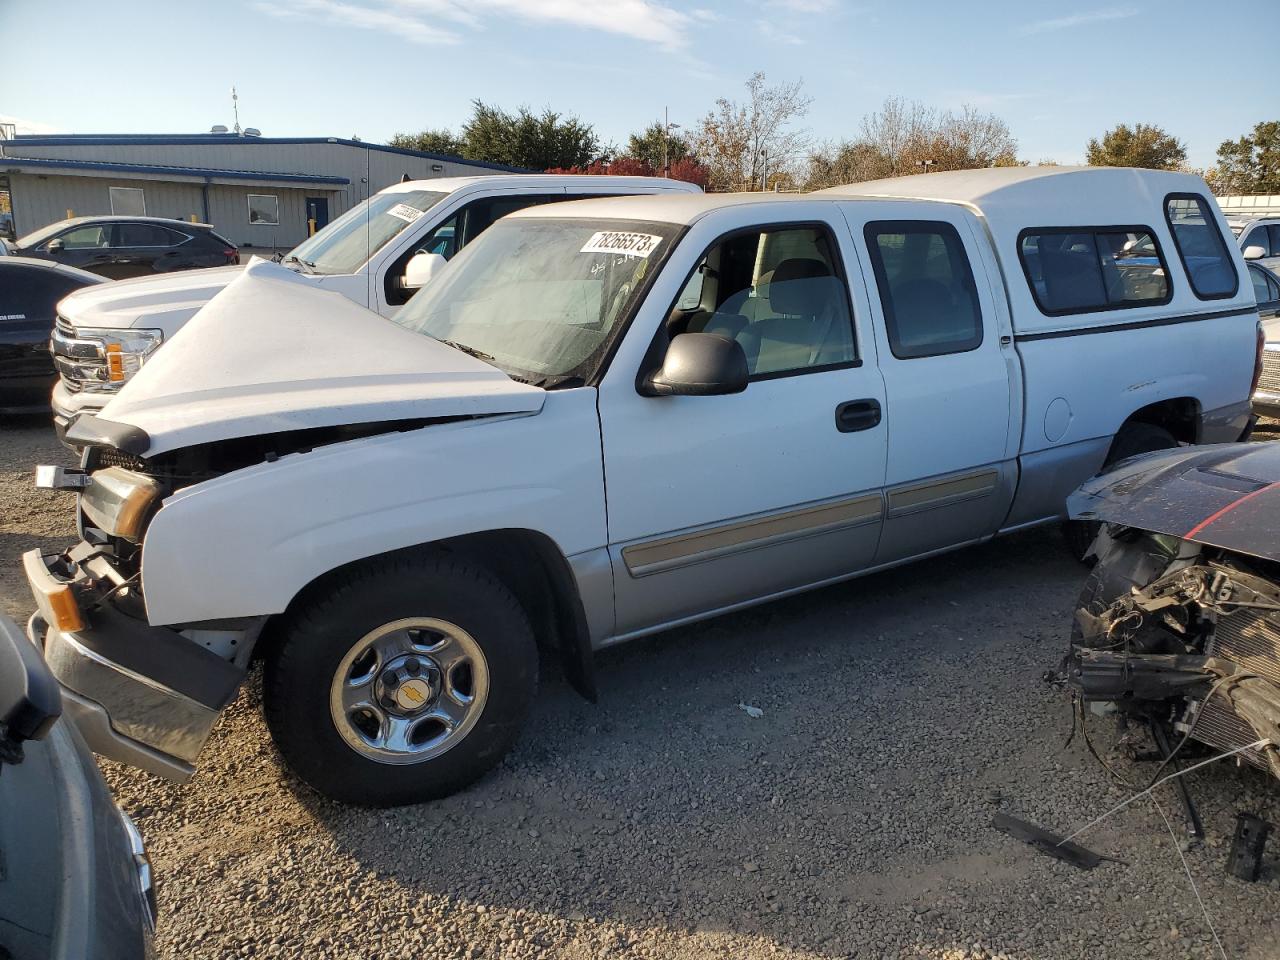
67,405
143,695
1266,403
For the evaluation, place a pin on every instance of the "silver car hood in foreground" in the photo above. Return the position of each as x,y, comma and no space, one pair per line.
272,353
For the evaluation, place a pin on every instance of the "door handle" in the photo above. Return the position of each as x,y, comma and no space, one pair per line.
854,415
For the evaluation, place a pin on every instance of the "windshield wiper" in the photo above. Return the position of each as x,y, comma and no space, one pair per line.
309,265
470,351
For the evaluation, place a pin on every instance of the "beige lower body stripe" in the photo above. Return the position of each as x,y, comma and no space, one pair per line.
943,491
659,555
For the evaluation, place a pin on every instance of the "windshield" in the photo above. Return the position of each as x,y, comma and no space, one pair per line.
347,243
540,298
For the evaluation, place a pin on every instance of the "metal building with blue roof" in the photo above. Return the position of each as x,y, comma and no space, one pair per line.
262,193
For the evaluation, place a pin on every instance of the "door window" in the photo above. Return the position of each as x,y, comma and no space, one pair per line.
453,234
926,287
144,235
780,292
86,238
1200,246
443,240
1274,230
1257,238
1265,288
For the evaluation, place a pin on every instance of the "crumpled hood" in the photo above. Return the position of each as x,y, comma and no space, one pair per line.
162,302
273,353
1225,495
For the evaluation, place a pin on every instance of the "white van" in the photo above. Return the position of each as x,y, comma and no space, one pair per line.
377,254
605,419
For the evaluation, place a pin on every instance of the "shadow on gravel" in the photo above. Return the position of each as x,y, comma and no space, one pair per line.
898,714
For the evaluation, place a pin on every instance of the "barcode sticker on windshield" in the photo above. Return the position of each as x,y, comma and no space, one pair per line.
405,212
626,244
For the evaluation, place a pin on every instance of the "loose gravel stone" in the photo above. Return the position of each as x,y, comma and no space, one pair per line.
852,819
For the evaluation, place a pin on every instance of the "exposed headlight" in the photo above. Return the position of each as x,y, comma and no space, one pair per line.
117,501
125,351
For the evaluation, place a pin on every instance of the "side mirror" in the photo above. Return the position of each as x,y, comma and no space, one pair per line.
1254,252
56,246
420,269
699,365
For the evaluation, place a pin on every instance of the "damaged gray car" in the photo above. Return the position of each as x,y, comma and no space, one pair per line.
1178,625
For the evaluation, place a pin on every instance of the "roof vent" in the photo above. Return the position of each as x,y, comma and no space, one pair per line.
252,132
219,128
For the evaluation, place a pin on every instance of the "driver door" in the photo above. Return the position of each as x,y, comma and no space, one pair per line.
719,501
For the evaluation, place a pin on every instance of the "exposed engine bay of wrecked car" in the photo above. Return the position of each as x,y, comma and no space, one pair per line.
1179,623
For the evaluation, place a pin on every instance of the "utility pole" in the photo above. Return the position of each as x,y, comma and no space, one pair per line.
764,169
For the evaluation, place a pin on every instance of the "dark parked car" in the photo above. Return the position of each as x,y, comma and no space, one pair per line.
76,882
117,247
29,293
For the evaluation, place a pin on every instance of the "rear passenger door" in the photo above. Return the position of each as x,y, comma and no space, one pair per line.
946,358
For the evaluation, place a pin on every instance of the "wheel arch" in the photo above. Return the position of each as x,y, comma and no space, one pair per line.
527,561
1181,416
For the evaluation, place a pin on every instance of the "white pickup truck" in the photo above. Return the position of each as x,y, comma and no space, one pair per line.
377,254
607,418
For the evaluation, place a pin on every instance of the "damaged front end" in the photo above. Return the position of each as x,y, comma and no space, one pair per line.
1183,636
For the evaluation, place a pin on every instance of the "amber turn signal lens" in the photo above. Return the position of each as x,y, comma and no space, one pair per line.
115,363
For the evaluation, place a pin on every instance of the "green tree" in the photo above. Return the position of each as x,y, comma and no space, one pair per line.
523,139
647,146
443,141
1250,165
1142,145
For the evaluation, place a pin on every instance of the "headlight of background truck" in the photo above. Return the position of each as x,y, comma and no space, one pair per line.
117,501
123,350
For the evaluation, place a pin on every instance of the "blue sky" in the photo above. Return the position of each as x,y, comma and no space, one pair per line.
1058,73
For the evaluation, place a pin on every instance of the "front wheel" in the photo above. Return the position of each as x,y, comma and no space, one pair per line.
405,682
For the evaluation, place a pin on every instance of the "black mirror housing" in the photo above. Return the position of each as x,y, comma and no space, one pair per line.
699,365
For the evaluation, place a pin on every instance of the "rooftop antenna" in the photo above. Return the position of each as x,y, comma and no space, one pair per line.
235,108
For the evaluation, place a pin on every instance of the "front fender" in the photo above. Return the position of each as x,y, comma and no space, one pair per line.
245,543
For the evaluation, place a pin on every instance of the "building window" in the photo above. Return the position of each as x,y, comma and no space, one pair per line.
264,209
127,202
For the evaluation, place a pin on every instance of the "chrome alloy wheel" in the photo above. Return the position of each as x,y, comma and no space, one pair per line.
409,690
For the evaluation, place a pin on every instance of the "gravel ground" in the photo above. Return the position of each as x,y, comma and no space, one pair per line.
851,819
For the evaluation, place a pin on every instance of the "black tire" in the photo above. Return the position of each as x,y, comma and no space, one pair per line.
1133,439
298,673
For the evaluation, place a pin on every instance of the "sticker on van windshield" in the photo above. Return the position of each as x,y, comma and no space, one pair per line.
405,212
625,244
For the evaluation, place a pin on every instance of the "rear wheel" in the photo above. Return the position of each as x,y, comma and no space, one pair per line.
405,682
1132,440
